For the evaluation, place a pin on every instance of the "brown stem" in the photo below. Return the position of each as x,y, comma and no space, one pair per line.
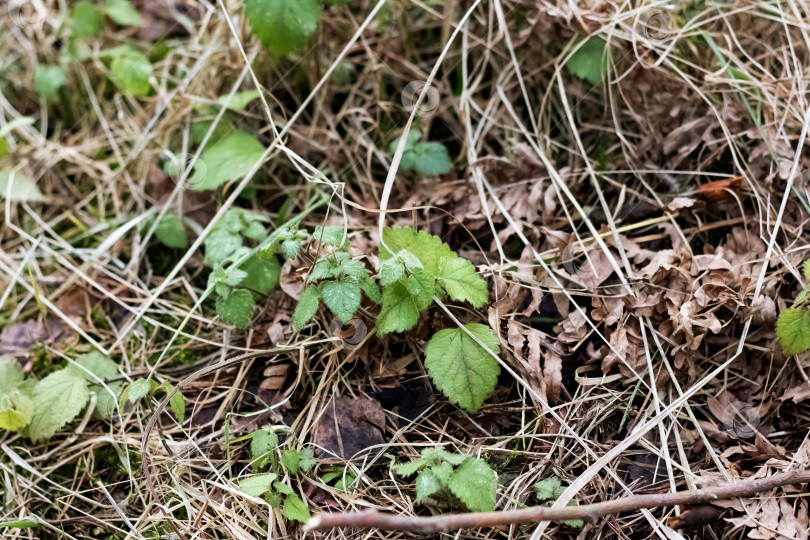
372,519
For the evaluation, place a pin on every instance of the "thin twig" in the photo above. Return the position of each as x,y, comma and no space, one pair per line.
373,519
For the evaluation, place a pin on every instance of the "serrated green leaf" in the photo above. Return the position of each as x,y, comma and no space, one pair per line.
461,368
229,159
131,72
48,80
290,460
426,485
307,306
330,235
589,61
262,445
86,20
11,374
428,248
96,363
139,389
261,276
295,509
306,459
443,471
283,26
122,12
23,189
475,484
273,498
237,308
439,454
291,248
58,398
422,287
220,244
399,309
428,158
462,282
171,232
549,489
391,271
341,297
370,288
257,485
411,261
793,330
410,468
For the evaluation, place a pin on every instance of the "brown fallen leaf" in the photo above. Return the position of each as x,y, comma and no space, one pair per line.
21,338
348,426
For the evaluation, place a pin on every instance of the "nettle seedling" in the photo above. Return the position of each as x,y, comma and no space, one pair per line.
426,157
264,448
238,284
141,388
415,267
441,473
793,325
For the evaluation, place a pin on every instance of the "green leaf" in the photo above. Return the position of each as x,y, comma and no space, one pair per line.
341,297
262,445
23,189
589,61
240,100
475,484
428,248
425,157
399,309
307,306
460,280
257,485
410,468
443,471
16,405
48,80
11,374
291,248
178,405
237,308
330,235
290,460
422,287
391,271
58,398
171,232
87,20
139,389
461,368
273,498
262,276
807,269
229,159
281,25
131,72
105,401
370,288
549,489
793,330
220,244
295,509
98,364
427,484
122,12
306,459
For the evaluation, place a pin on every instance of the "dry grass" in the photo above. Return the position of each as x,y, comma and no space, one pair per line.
680,174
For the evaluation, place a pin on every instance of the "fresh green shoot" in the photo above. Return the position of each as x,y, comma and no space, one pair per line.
468,479
590,61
